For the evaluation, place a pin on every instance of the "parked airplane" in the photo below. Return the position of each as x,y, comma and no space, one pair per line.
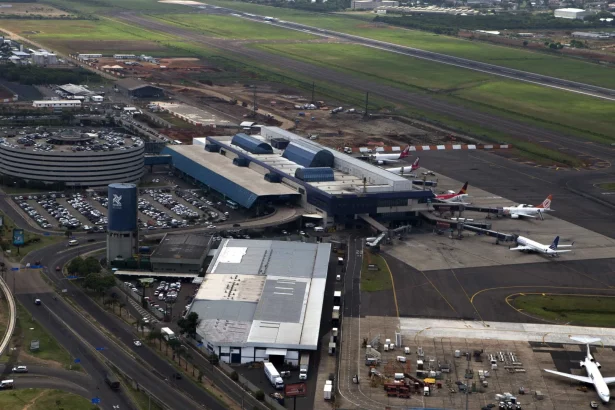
593,373
381,159
527,245
528,211
452,196
406,171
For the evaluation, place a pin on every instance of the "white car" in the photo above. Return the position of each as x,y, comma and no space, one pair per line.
138,343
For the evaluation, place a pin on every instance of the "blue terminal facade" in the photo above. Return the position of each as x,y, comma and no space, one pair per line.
318,162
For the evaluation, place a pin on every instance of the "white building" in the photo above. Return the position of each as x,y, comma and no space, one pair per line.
57,104
262,298
87,56
572,14
372,4
44,58
124,56
97,98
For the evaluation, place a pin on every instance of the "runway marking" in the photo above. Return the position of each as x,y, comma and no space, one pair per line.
437,290
393,283
534,286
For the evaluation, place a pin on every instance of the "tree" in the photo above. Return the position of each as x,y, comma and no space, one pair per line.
155,335
174,344
189,324
122,305
199,376
525,43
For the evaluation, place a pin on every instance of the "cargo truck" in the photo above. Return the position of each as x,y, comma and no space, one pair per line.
328,391
304,363
335,317
273,376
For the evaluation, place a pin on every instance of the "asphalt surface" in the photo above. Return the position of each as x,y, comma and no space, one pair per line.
420,101
576,199
177,394
539,79
52,378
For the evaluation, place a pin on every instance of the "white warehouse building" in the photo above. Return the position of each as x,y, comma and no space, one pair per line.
572,14
262,300
57,104
372,4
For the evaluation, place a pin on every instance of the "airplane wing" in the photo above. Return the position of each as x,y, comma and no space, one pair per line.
558,251
521,248
609,380
583,379
525,215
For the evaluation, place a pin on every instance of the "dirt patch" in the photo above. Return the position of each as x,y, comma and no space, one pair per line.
34,399
32,9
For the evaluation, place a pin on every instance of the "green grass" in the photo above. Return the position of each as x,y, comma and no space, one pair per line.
574,310
401,71
537,62
375,280
28,329
43,399
607,186
6,232
588,117
231,27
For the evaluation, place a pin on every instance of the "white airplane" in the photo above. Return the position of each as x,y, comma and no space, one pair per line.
527,245
381,159
406,171
529,211
593,373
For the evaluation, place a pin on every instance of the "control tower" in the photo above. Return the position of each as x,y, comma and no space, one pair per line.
123,230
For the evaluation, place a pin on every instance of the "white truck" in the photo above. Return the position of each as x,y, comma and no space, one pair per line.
274,376
168,334
304,363
328,390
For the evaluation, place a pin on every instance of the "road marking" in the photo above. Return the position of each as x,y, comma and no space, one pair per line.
534,286
393,283
437,290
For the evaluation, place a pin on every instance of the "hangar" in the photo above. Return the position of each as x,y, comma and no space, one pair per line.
262,298
139,89
330,185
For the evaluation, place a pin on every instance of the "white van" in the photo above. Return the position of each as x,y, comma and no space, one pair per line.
319,229
6,384
73,242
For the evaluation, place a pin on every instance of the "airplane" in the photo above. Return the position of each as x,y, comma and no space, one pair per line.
527,245
406,171
454,197
529,211
381,159
592,367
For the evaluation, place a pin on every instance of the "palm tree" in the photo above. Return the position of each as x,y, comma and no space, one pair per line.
122,305
174,343
187,357
153,335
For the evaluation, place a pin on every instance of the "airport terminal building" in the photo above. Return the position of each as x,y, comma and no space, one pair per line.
262,300
278,166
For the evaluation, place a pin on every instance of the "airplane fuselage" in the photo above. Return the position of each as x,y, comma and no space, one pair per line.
535,246
594,374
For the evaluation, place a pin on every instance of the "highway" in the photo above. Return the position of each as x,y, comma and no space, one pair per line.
150,371
520,75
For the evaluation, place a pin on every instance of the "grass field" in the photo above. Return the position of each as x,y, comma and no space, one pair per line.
42,399
574,310
547,107
6,232
541,63
231,27
28,329
375,280
607,186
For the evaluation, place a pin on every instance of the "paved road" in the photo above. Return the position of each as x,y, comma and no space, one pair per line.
421,101
179,394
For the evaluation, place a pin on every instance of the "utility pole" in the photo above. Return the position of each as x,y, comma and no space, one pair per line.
254,103
366,105
313,86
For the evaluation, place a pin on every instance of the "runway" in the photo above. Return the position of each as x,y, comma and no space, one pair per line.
420,101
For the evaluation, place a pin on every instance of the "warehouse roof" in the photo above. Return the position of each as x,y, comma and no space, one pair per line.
75,89
264,293
134,84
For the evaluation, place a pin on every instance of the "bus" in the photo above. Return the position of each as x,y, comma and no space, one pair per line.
231,204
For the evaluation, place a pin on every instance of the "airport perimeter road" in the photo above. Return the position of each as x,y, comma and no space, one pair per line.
539,79
155,373
421,101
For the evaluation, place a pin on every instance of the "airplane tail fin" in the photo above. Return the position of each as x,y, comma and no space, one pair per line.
464,189
587,341
554,244
546,204
415,164
405,152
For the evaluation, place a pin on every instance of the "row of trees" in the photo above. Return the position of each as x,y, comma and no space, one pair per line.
450,24
35,75
318,5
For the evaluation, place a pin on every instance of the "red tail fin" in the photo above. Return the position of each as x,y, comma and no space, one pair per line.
405,152
463,189
416,165
546,204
